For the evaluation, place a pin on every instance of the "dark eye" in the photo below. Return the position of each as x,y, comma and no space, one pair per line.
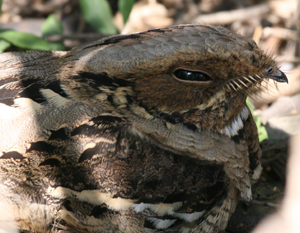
269,69
188,75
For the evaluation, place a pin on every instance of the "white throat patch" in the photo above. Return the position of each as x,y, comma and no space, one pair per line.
237,124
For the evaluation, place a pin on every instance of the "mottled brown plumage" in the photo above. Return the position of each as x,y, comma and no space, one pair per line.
146,132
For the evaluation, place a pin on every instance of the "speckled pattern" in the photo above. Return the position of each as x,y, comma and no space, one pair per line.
108,138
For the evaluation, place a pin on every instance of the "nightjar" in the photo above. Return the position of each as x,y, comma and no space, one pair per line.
147,132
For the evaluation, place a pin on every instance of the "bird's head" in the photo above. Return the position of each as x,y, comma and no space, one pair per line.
195,74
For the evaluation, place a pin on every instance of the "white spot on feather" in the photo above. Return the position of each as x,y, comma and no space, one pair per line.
189,217
160,223
101,96
27,105
54,98
94,197
256,173
245,113
89,145
24,212
237,124
160,209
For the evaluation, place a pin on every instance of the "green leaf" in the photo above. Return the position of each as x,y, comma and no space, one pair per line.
125,7
98,14
262,132
24,40
250,106
0,5
4,45
58,46
52,26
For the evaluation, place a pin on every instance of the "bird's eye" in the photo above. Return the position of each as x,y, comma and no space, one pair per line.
269,69
188,75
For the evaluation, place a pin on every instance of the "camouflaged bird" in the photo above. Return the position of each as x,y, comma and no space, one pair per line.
147,132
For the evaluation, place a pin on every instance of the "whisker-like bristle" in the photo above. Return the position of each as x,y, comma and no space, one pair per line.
248,80
232,86
248,94
258,84
266,87
260,87
237,84
256,94
242,83
252,78
253,98
257,76
228,87
255,83
276,85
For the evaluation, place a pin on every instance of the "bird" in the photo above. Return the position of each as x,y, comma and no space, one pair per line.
144,132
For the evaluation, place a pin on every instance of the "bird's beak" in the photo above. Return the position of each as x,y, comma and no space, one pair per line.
278,76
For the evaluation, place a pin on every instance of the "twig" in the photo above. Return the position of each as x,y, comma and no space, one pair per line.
281,33
227,17
80,36
262,203
48,8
